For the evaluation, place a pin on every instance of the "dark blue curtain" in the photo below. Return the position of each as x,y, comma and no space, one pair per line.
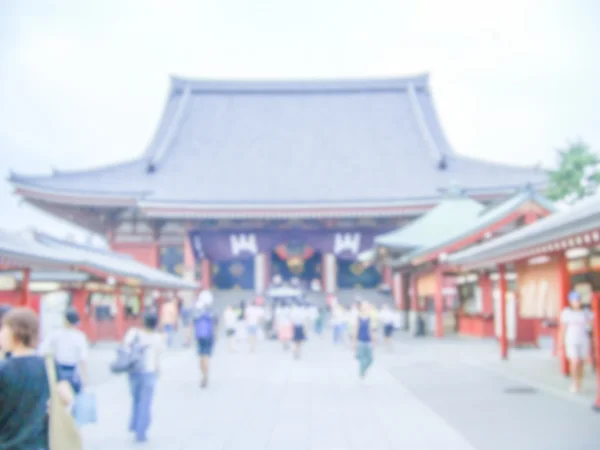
311,268
234,274
171,259
352,274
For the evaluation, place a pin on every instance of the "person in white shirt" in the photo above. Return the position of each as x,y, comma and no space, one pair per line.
284,325
230,319
142,384
574,321
387,319
298,318
69,347
254,317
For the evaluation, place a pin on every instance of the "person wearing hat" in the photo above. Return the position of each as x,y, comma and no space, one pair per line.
69,347
574,323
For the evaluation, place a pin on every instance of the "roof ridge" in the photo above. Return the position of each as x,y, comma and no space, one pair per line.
299,85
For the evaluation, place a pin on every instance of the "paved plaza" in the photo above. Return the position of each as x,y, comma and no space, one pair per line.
422,395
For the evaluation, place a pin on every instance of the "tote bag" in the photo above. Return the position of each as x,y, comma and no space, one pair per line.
62,431
84,409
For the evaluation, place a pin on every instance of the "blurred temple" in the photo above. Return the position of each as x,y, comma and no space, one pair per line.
244,180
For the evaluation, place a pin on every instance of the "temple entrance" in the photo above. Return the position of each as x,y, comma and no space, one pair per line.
233,274
353,274
296,260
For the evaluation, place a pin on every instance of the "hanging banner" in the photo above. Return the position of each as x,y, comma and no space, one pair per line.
234,244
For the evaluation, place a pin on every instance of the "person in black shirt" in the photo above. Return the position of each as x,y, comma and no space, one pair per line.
24,391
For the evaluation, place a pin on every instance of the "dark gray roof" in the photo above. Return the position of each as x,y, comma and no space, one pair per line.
313,142
581,218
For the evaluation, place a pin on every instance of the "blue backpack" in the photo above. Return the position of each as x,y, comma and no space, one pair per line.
204,326
130,358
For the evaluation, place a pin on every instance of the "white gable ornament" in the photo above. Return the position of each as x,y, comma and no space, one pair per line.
346,242
243,243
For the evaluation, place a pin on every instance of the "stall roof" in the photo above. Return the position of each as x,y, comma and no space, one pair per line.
488,218
41,250
448,218
541,236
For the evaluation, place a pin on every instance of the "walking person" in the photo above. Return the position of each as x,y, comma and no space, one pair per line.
142,384
230,319
387,319
24,384
337,321
574,323
285,329
169,316
254,318
70,348
364,339
205,324
298,317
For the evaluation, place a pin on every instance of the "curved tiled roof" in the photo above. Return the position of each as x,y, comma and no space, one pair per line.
288,143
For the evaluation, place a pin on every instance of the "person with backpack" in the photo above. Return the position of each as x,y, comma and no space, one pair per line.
205,324
145,347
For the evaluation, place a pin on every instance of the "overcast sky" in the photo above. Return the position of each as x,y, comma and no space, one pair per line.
83,83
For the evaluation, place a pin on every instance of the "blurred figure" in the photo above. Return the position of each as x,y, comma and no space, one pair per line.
169,315
24,388
574,322
337,321
284,324
205,325
387,319
3,310
298,319
230,318
69,348
364,339
142,384
254,317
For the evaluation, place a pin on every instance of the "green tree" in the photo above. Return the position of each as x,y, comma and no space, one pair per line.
577,175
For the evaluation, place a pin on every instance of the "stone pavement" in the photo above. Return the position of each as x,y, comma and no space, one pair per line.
412,399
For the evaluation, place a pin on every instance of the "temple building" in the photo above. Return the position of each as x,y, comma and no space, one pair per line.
246,179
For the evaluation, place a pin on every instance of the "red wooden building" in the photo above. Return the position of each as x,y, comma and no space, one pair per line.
425,285
550,258
109,290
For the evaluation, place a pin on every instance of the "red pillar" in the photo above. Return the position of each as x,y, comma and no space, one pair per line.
206,274
414,295
189,261
487,288
502,291
79,304
387,276
564,286
25,297
120,314
439,303
397,290
596,328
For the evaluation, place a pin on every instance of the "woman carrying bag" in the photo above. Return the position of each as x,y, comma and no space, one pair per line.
34,412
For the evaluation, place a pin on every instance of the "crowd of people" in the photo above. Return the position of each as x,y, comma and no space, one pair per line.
25,388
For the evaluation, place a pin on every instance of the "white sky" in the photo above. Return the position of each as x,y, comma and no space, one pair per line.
83,83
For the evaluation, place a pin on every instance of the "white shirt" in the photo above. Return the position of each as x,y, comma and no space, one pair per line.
298,315
576,324
68,345
282,316
230,318
154,343
387,316
253,314
205,298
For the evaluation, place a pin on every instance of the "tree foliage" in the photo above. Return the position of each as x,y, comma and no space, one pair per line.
577,174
